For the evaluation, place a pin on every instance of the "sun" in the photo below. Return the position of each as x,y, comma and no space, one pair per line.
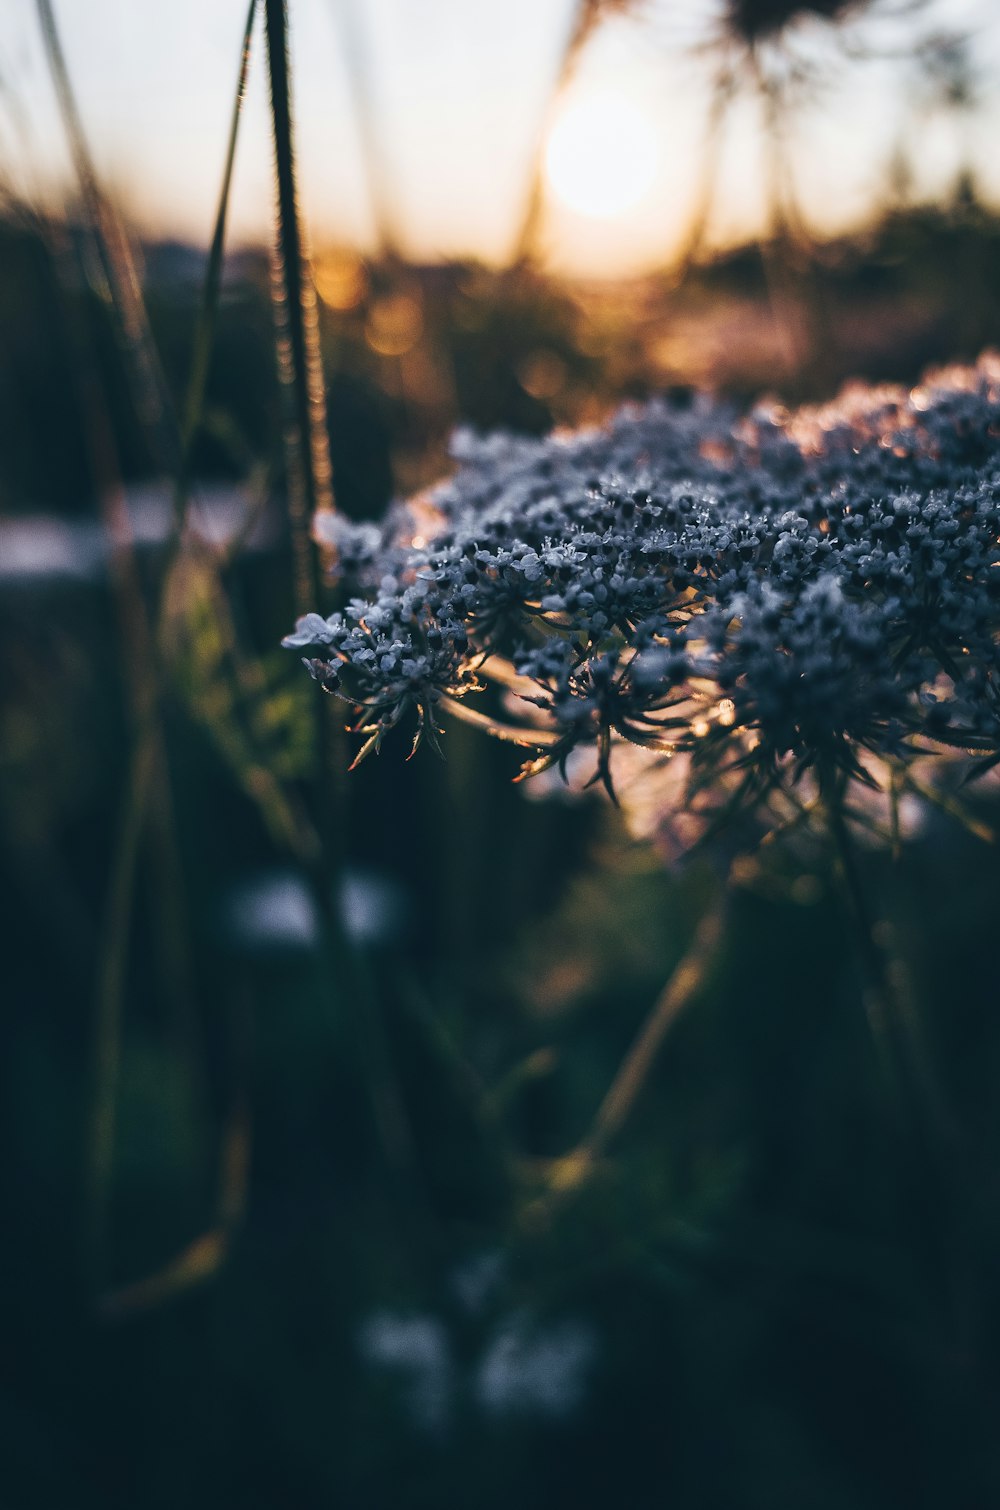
601,155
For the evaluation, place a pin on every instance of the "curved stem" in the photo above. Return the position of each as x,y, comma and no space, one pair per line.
686,981
113,254
684,984
526,737
585,20
204,335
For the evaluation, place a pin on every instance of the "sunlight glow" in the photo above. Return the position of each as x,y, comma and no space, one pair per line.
602,155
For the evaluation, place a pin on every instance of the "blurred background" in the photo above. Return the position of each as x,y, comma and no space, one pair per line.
297,1065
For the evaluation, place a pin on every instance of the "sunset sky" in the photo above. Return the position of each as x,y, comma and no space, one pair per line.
460,91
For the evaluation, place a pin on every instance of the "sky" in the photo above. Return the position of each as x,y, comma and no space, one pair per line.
462,95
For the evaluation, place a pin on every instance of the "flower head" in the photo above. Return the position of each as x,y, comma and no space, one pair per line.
773,594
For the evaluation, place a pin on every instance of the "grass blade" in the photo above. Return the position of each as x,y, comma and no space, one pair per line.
117,265
306,442
204,335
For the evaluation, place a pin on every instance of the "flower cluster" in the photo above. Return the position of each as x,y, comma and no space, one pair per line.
770,595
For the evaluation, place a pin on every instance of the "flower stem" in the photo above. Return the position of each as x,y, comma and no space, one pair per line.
911,1085
527,737
686,980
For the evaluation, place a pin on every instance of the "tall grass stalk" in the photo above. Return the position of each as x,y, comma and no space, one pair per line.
361,83
584,22
113,255
307,447
204,336
116,262
170,440
147,793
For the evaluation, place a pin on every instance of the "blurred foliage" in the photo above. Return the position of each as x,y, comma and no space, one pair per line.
413,351
345,1261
